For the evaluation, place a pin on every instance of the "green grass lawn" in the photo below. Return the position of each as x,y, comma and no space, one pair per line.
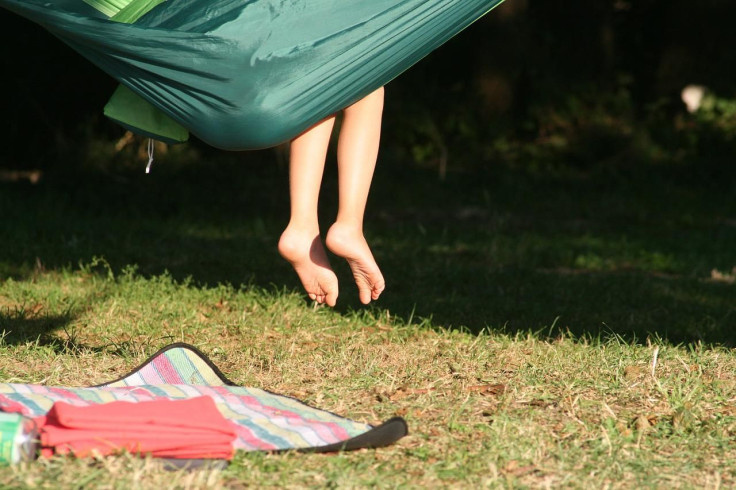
559,327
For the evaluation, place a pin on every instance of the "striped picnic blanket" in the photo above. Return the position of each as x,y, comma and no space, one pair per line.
265,421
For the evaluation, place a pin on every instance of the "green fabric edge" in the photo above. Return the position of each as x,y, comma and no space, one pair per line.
107,7
125,107
134,113
135,10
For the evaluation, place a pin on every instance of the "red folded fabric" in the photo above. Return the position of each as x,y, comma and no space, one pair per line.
192,428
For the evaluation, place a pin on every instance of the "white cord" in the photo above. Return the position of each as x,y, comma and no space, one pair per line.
150,155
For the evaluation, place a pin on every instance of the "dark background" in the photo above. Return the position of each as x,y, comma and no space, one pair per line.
600,72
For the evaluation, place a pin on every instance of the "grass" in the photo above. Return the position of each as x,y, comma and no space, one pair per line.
568,327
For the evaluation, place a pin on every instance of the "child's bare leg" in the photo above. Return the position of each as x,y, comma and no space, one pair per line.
356,156
300,243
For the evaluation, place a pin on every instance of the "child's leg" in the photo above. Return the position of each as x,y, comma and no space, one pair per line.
300,243
356,156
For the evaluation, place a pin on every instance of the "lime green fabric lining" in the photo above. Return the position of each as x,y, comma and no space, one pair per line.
134,113
108,7
126,107
134,10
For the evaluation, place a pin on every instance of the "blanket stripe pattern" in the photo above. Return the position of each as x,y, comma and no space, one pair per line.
264,420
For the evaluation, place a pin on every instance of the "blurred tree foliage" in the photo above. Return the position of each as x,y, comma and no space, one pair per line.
534,83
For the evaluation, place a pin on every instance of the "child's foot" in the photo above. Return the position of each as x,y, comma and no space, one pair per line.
348,242
307,255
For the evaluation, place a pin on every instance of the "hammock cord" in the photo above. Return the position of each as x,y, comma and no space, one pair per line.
151,146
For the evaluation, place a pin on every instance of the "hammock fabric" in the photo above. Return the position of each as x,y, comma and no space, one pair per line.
263,421
248,74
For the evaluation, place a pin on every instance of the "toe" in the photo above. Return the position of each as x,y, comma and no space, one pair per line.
378,288
365,295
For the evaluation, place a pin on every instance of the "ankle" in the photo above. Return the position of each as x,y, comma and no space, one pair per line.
347,227
345,240
302,226
296,241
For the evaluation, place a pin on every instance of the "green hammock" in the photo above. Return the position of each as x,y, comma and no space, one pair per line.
248,74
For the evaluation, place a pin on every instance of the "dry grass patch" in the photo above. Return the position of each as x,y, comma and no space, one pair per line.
123,472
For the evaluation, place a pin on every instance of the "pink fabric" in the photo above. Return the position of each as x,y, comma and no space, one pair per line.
190,428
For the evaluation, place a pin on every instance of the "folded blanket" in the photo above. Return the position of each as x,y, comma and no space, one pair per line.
190,428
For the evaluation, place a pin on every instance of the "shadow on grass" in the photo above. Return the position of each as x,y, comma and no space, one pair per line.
20,327
624,251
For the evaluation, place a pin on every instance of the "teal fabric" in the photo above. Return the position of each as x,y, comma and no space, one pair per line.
248,74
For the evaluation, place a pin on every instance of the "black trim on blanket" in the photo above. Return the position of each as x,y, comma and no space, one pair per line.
182,345
380,436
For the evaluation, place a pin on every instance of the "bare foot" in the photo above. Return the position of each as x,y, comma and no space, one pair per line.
306,254
348,242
